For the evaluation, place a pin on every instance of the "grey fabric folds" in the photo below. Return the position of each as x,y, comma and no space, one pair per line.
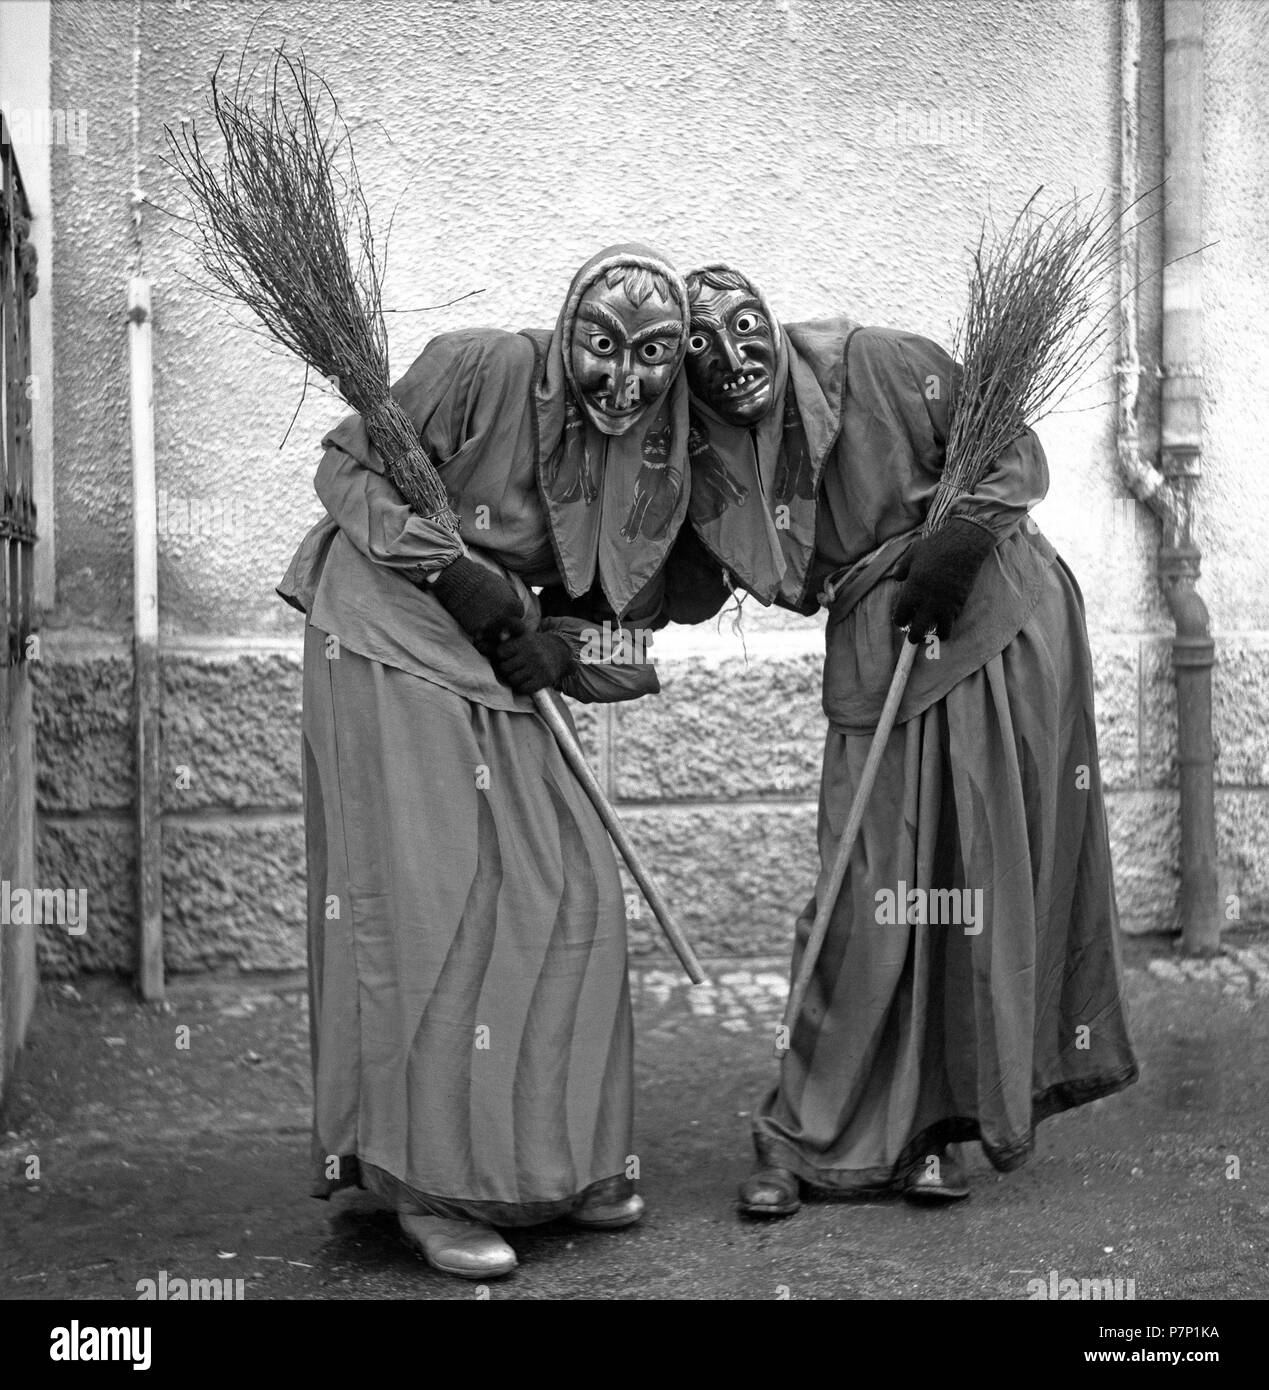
942,1030
471,1024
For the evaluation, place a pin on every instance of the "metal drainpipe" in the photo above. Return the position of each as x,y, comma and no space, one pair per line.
1181,418
1169,490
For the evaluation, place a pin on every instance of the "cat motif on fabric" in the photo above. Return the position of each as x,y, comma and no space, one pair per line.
656,491
714,489
568,476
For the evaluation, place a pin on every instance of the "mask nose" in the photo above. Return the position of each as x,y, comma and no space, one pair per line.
735,361
625,384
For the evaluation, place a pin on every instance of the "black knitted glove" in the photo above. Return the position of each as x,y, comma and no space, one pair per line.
939,573
482,603
530,661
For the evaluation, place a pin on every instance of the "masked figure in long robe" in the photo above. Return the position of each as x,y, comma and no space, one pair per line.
969,984
471,1022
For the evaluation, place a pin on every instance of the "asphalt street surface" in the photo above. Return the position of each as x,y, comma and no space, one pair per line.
124,1155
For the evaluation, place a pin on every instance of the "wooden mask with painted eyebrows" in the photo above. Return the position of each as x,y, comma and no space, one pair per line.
627,343
731,351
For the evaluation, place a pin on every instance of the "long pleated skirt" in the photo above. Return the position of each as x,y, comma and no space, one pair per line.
939,1016
470,1008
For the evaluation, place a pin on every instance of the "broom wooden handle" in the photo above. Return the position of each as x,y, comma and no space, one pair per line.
555,719
828,900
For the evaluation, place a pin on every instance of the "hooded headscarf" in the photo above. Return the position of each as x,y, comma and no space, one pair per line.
614,503
754,487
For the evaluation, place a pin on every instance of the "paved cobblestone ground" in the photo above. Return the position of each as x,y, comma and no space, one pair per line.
123,1155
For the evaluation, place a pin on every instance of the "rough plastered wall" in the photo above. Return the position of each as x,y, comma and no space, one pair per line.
841,151
1235,495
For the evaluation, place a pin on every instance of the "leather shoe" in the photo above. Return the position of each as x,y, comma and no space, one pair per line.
609,1216
938,1177
770,1192
464,1248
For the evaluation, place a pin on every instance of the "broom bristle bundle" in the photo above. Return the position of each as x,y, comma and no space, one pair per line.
274,219
1029,331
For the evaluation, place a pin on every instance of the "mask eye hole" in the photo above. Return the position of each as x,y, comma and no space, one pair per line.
654,352
747,323
697,343
601,343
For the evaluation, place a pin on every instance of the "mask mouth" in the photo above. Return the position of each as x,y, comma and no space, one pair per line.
745,385
617,414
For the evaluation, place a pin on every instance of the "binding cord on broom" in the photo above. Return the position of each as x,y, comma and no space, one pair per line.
404,459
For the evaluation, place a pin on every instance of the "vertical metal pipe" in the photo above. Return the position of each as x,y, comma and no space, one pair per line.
1168,490
1181,420
1143,480
145,646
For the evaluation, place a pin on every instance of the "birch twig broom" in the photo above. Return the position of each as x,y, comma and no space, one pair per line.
1037,318
273,219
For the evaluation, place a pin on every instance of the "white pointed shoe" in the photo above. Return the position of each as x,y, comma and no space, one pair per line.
463,1248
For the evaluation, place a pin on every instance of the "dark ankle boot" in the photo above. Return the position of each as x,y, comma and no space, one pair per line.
770,1192
938,1176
